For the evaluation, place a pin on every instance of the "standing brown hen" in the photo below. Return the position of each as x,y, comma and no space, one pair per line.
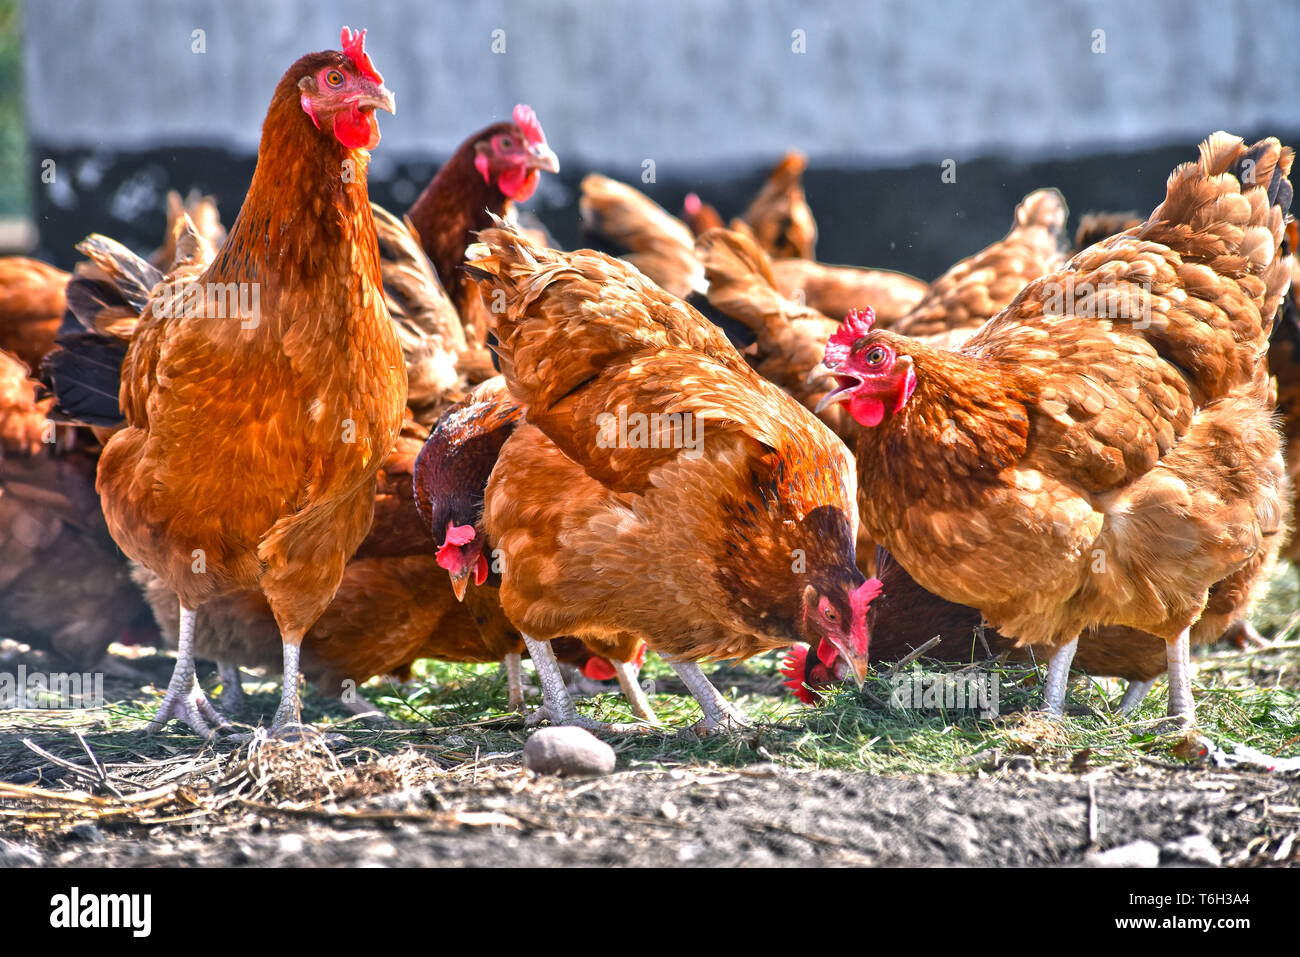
252,439
1102,452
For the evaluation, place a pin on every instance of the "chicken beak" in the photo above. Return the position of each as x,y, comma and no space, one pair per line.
840,393
543,157
460,583
820,371
376,97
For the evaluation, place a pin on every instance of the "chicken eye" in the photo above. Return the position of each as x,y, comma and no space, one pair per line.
876,355
334,78
506,143
829,615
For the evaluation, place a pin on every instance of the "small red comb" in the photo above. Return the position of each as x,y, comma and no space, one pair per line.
692,204
526,120
354,45
857,323
865,594
793,666
457,535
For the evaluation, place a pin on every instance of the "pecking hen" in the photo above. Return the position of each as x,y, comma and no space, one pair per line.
657,486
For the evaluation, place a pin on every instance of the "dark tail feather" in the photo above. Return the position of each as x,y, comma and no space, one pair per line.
84,372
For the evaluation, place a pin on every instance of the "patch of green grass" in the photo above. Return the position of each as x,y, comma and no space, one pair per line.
457,711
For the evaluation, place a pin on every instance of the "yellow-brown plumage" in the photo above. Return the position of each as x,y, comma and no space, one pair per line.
697,553
1065,468
249,454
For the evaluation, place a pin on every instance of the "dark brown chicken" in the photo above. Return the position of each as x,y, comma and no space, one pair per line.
490,172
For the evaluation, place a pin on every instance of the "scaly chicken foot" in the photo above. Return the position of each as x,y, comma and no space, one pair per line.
719,715
287,722
558,706
185,699
1058,678
1134,695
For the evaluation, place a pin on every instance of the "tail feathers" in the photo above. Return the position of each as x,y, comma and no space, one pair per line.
85,375
1045,209
132,276
741,283
105,298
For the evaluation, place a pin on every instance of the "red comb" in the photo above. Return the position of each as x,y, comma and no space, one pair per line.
354,45
860,600
457,535
793,667
526,120
857,323
692,204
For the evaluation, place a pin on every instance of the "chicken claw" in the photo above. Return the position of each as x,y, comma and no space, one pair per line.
185,699
718,714
558,707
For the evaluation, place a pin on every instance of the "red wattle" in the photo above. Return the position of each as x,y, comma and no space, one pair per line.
598,669
519,183
357,129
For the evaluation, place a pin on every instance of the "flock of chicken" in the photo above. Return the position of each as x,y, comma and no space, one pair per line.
1074,455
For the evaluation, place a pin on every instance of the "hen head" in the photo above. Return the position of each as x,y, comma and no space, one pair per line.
807,674
461,554
340,92
870,374
511,156
834,622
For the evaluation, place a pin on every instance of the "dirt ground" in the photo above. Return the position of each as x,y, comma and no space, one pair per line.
81,791
499,814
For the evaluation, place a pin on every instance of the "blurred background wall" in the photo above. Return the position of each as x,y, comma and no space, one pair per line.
1099,98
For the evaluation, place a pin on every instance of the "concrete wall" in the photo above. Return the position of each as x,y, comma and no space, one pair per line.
684,82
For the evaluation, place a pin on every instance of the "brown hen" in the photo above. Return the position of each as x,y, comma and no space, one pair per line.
1102,452
722,531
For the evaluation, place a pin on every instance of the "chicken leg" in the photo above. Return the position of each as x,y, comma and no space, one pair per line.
1179,655
718,714
558,706
627,673
185,699
289,715
513,665
1134,695
1058,678
233,697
